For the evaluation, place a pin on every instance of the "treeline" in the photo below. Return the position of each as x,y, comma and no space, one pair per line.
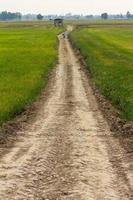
118,16
105,16
10,16
5,16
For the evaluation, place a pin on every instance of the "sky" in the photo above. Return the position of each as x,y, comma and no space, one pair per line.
66,6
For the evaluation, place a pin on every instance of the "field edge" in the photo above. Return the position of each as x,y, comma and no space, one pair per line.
20,122
117,125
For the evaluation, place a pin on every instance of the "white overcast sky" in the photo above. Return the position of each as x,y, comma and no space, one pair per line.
65,6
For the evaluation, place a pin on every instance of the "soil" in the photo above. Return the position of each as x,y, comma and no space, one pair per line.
68,150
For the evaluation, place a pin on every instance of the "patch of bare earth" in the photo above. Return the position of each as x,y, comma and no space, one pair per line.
68,151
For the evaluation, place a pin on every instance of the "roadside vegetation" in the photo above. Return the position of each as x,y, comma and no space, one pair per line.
27,55
108,53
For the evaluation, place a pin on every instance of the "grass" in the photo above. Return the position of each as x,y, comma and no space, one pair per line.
26,58
25,24
108,53
99,23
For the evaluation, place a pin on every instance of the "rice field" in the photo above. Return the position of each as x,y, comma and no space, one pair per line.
108,53
28,52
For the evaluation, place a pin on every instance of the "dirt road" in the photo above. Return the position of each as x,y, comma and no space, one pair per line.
68,153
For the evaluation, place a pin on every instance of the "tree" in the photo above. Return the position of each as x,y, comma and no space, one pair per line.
89,16
128,15
39,17
5,16
104,15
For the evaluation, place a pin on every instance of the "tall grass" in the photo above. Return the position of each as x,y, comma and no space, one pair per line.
108,53
26,58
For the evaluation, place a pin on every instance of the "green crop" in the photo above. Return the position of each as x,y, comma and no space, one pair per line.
27,55
108,53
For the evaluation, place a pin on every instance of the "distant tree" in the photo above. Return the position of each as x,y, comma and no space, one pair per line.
121,16
128,15
5,16
89,16
19,16
39,17
104,15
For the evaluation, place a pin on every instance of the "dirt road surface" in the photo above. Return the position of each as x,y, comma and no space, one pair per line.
68,153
